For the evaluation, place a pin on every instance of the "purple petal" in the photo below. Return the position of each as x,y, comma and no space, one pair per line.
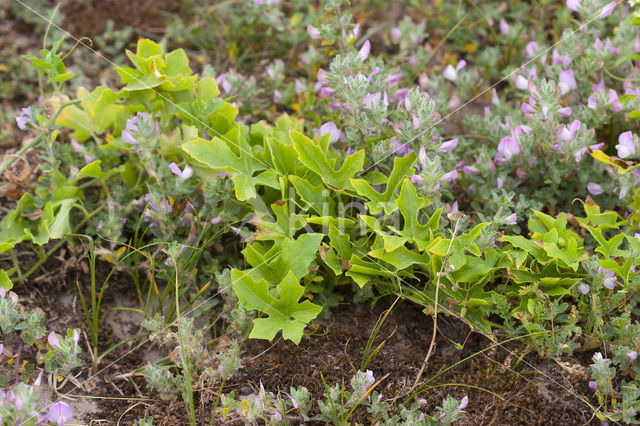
330,128
313,32
626,147
448,145
364,50
607,10
584,288
566,81
464,403
512,219
594,188
53,340
59,413
573,5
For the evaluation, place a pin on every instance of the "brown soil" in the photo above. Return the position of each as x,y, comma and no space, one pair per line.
536,392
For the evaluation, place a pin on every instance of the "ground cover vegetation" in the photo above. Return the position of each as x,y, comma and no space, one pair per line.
262,164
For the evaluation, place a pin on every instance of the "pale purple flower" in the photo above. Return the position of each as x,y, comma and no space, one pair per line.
450,176
565,111
448,145
594,188
1,348
616,106
327,91
504,27
632,355
566,81
521,82
417,180
592,103
277,96
584,288
464,403
363,53
133,128
76,337
451,73
395,34
527,108
59,413
507,148
313,32
530,48
398,147
322,77
573,5
608,278
277,416
560,60
512,219
293,401
375,71
334,133
25,116
182,174
53,340
393,78
566,134
216,220
467,170
607,10
593,384
626,147
422,157
39,379
356,31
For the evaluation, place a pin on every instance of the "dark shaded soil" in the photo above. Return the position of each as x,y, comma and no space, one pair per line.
543,392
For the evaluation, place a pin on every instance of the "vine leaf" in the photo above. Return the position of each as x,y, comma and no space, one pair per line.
313,157
284,312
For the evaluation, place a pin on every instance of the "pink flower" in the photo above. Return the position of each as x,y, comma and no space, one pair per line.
364,50
53,340
594,188
448,145
573,5
450,176
584,288
566,134
417,180
593,384
566,81
607,10
59,413
464,403
313,32
507,148
565,112
632,355
395,34
504,27
527,109
334,133
626,147
451,73
521,82
23,118
182,174
530,49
